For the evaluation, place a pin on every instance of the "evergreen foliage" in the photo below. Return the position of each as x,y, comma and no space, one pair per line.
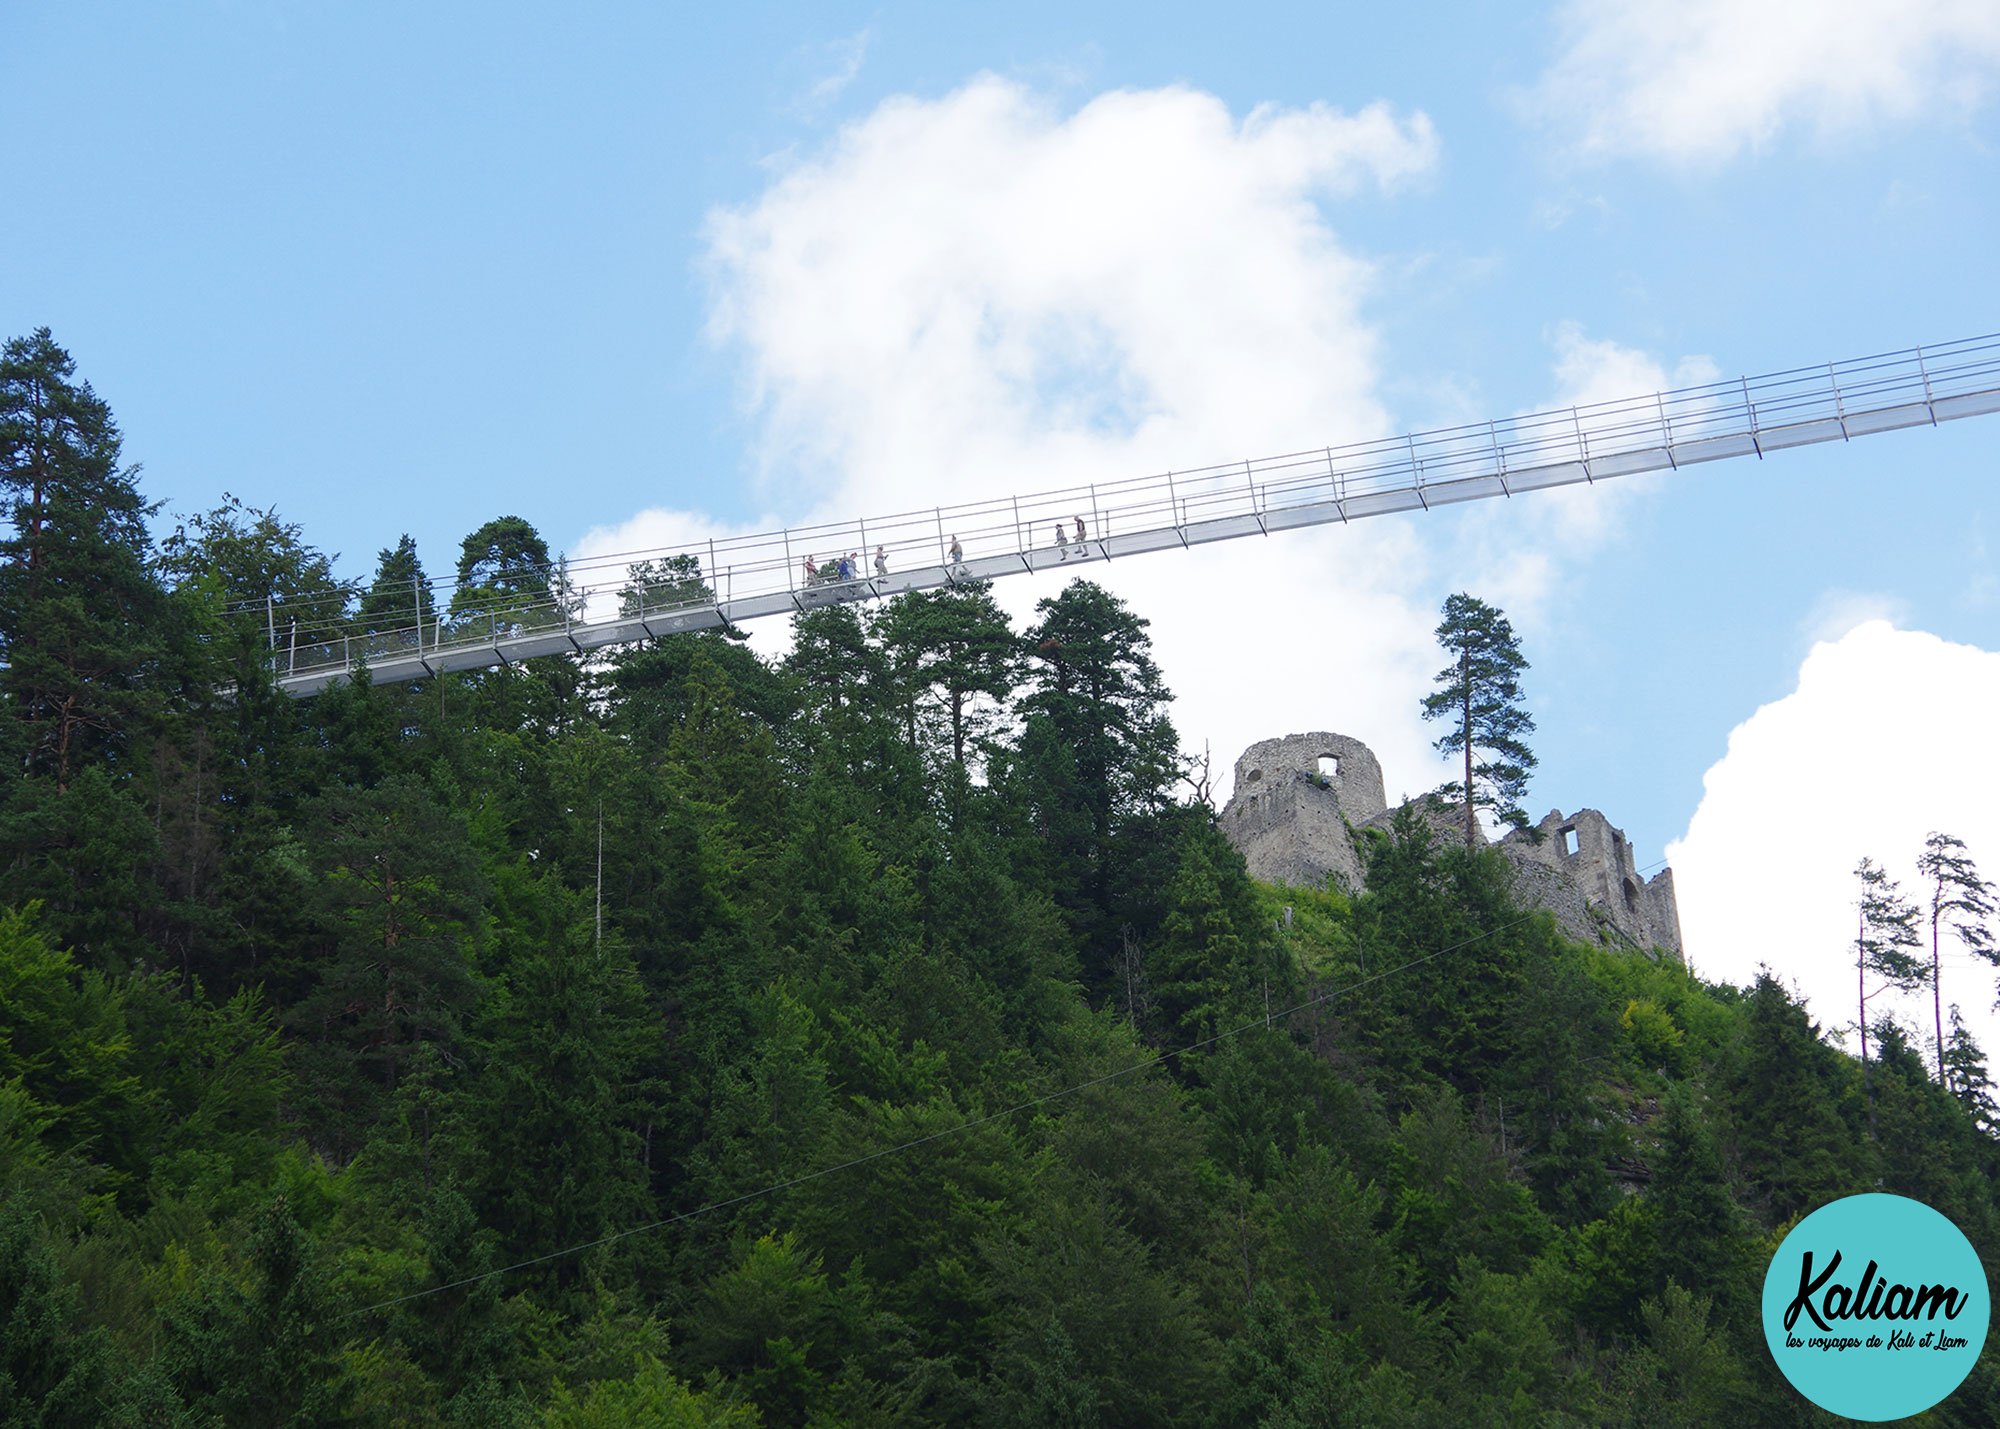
505,577
956,659
1967,1078
1961,902
83,620
870,1037
1885,943
664,584
1479,694
399,601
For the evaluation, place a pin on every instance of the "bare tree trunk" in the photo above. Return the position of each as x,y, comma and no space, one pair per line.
1465,681
1937,997
1861,992
1861,989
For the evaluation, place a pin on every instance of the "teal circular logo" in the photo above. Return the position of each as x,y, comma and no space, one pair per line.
1875,1307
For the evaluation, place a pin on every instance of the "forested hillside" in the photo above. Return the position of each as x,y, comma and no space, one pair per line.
885,1035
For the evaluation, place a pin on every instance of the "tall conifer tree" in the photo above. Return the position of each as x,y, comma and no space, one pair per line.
1095,765
1961,901
81,613
1968,1080
399,598
955,656
1884,941
505,577
1480,693
1094,682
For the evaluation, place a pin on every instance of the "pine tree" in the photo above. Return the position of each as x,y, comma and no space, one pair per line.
255,598
1562,1033
847,731
1963,902
1458,1020
1094,771
1927,1146
670,583
399,599
252,578
554,1159
1789,1138
841,679
652,686
1967,1078
1480,692
725,764
955,657
87,647
1885,935
505,577
82,615
1701,1231
1216,963
1094,680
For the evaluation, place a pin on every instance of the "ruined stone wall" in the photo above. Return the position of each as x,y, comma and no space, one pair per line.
1293,801
1296,799
1596,859
1447,821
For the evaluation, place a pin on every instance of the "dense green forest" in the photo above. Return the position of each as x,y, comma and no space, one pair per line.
881,1035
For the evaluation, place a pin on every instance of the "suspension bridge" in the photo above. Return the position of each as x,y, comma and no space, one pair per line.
712,583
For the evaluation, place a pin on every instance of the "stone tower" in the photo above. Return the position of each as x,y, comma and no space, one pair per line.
1293,802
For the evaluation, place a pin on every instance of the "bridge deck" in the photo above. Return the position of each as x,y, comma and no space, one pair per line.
752,577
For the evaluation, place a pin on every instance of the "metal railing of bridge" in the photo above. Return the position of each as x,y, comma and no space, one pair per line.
739,578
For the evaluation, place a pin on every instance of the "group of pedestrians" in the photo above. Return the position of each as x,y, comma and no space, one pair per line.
846,568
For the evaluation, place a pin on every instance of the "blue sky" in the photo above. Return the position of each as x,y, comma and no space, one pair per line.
644,272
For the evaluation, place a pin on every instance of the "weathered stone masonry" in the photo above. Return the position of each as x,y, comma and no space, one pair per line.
1297,797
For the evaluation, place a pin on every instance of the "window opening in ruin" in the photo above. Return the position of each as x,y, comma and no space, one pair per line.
1631,895
1253,776
1329,767
1567,840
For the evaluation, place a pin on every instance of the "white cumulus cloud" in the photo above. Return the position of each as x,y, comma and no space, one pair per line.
1697,81
1863,759
983,291
985,294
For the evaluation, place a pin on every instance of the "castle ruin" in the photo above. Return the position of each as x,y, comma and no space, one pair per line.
1299,800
